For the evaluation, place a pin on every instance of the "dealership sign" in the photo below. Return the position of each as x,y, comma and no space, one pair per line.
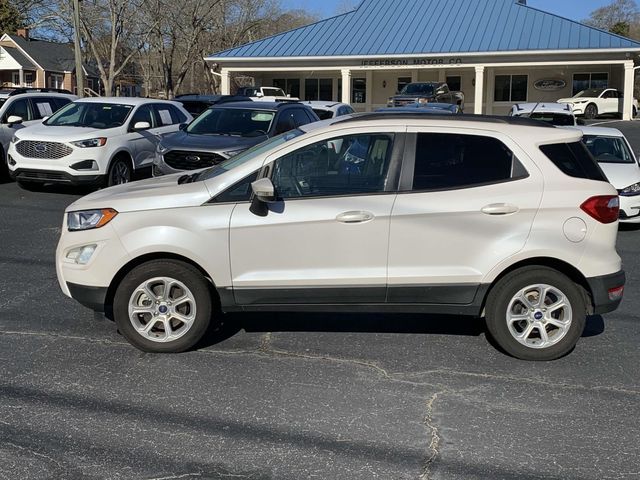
549,85
408,62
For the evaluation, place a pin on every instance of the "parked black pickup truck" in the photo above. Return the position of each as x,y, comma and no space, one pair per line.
435,92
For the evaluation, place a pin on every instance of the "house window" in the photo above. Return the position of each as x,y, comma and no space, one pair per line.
511,88
56,80
455,83
318,89
403,82
28,79
291,86
15,79
584,81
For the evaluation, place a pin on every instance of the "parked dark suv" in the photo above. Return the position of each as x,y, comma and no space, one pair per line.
195,103
225,130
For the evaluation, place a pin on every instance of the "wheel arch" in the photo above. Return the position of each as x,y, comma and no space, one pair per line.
122,153
128,267
556,264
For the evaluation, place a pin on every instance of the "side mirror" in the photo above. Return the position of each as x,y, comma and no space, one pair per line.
288,95
183,126
259,94
44,119
141,126
14,120
264,190
439,92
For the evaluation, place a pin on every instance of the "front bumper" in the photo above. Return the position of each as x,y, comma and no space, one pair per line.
630,209
53,176
600,292
91,297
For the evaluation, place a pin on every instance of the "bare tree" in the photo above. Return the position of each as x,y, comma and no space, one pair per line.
113,34
621,17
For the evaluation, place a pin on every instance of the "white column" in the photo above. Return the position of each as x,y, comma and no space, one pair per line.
369,91
479,90
21,77
346,86
629,81
225,83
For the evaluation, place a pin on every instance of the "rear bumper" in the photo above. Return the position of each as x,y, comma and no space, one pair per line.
600,287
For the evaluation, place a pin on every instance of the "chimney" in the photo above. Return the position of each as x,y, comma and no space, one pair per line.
23,32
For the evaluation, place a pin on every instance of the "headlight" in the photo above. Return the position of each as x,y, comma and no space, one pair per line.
89,219
14,139
90,143
631,191
580,101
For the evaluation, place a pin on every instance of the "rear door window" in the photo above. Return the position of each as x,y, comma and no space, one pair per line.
451,161
574,159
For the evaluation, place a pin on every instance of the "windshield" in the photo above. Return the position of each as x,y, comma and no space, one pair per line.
592,92
608,149
232,121
323,114
249,154
91,115
419,88
557,119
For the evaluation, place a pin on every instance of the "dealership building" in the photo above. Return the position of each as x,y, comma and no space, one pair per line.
497,52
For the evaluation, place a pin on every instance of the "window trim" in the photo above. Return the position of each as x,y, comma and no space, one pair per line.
409,164
573,80
393,172
212,201
511,100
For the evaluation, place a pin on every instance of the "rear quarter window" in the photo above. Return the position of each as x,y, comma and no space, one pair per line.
574,159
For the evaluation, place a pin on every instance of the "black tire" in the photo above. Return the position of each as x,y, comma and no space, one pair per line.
591,111
120,171
499,302
188,275
635,112
4,168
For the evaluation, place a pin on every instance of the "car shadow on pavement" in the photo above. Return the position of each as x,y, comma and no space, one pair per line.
360,323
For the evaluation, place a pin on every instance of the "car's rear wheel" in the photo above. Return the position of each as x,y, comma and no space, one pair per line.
536,313
591,111
163,306
119,172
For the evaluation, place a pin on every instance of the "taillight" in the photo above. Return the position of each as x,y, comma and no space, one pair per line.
604,208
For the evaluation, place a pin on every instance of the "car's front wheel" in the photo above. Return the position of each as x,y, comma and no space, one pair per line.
536,313
119,172
591,111
163,306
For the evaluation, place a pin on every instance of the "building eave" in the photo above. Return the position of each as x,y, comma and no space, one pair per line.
6,37
214,59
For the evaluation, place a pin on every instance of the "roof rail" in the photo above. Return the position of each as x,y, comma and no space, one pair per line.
21,90
495,119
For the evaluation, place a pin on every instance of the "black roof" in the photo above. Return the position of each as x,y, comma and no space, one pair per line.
522,121
258,105
21,90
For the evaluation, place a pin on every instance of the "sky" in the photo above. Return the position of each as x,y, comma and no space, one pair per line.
574,9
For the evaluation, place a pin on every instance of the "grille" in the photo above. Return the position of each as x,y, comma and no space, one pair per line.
403,103
39,175
183,160
47,150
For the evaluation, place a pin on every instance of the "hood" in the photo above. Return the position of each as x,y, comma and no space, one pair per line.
621,175
573,100
66,134
186,141
151,194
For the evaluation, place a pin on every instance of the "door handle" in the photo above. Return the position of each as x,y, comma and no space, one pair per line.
500,209
355,217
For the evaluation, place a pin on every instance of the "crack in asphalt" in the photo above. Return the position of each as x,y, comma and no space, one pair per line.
172,477
434,445
37,454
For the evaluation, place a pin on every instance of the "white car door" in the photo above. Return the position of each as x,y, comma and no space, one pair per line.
325,240
466,204
142,143
608,102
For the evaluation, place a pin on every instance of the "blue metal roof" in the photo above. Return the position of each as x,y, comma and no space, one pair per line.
405,27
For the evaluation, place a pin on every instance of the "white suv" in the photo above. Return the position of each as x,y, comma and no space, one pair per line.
492,218
94,141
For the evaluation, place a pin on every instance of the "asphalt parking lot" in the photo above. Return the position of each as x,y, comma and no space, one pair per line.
289,397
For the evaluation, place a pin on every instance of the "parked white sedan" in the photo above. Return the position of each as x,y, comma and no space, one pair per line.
613,153
598,101
560,115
